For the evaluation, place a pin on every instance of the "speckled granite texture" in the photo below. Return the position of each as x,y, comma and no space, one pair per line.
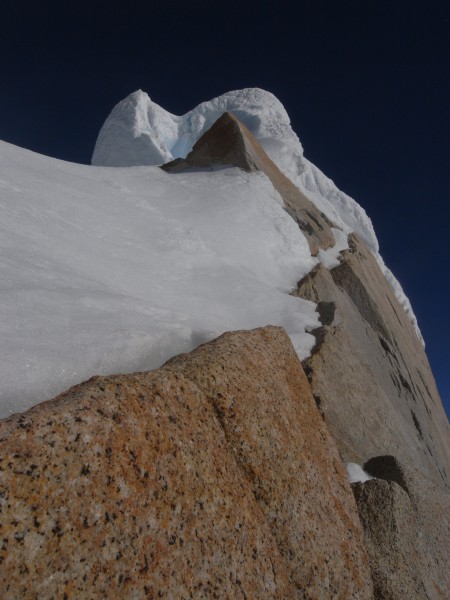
212,477
370,375
387,517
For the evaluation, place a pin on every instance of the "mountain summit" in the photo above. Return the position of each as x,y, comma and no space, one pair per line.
229,143
140,132
295,448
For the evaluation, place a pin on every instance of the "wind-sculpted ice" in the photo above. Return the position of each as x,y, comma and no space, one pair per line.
139,132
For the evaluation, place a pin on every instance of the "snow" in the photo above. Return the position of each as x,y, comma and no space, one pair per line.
139,132
400,295
356,473
109,270
116,270
338,207
350,217
330,257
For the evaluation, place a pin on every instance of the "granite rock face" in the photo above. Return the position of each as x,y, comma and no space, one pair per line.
229,142
369,350
372,381
211,477
387,517
220,474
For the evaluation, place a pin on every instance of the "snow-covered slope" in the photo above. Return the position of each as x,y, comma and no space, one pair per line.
115,270
139,132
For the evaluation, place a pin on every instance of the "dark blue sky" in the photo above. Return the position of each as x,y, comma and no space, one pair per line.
366,84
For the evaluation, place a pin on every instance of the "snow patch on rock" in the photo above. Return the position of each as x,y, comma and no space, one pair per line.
356,473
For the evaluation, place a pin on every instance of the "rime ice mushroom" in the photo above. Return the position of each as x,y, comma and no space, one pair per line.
139,132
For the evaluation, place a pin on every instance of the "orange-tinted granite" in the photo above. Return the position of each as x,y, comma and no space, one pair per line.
212,477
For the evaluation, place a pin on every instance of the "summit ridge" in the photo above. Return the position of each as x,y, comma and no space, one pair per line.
140,132
229,142
221,473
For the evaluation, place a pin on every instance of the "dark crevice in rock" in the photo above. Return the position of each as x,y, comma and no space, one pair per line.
316,221
318,402
326,312
400,381
395,312
405,384
394,360
328,222
319,334
306,365
387,468
395,381
425,385
220,414
417,424
422,396
385,345
302,223
309,278
411,379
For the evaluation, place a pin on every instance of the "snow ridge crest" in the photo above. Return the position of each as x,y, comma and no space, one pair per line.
140,132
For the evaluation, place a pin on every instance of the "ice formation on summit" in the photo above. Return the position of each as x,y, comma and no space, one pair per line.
140,132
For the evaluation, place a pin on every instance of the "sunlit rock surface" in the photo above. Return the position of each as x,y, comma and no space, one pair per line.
219,474
214,476
371,379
